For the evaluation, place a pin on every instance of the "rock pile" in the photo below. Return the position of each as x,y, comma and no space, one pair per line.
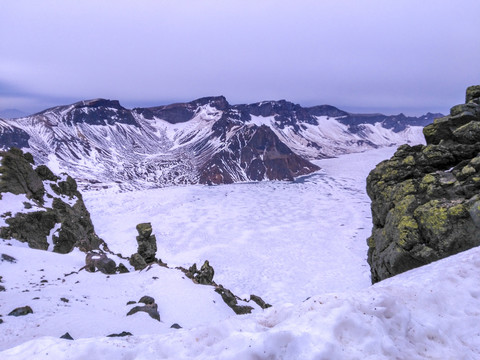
426,199
147,247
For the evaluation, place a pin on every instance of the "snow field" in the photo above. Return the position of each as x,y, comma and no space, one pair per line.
279,240
427,313
301,246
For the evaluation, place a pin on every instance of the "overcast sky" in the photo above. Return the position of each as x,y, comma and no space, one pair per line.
388,56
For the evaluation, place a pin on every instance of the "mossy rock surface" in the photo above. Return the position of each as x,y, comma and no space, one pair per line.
426,198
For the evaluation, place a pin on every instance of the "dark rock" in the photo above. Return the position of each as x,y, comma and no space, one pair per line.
205,275
21,311
66,336
259,301
8,258
18,177
76,229
175,326
45,173
425,199
122,334
12,136
472,94
147,243
96,261
31,227
1,321
122,269
151,309
257,152
231,301
131,302
2,288
65,300
137,261
147,300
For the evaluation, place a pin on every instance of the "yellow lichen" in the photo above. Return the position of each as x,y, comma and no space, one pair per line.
468,170
432,216
428,179
409,160
458,210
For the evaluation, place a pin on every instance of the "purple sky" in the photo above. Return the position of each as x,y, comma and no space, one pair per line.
385,56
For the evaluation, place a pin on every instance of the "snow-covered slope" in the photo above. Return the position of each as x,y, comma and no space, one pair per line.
285,241
427,313
102,144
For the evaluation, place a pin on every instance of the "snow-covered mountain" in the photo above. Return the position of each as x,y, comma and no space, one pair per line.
101,143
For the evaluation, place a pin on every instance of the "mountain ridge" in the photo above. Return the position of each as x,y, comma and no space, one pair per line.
102,143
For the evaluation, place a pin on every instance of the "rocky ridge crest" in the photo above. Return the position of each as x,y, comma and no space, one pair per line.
42,209
426,199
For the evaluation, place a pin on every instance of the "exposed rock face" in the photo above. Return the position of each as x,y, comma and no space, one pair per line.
11,136
426,199
260,155
53,209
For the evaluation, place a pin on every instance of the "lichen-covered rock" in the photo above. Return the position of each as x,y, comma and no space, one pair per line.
205,275
55,211
426,199
137,261
147,243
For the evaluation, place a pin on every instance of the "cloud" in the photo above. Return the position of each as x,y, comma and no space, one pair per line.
384,54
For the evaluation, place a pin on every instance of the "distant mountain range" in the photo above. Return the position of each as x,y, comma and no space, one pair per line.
11,113
207,141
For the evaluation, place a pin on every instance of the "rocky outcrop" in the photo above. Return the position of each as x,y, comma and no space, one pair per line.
52,210
426,199
147,247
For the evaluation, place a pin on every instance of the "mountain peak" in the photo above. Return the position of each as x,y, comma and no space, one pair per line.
99,103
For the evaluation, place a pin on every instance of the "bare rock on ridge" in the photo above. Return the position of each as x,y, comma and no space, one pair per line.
54,211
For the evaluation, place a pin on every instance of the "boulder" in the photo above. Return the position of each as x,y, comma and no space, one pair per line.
259,301
100,262
122,269
66,336
147,300
426,199
150,309
122,334
137,261
21,311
